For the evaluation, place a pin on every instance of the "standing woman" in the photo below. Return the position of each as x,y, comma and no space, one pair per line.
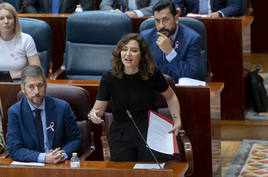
17,49
131,85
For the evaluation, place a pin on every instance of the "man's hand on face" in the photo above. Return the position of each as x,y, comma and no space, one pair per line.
164,43
55,156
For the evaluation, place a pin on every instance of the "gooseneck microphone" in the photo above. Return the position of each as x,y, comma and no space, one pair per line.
131,118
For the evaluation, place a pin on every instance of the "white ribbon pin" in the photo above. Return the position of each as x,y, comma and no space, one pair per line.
176,45
51,126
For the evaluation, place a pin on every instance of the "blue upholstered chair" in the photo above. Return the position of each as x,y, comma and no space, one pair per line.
90,39
41,34
200,28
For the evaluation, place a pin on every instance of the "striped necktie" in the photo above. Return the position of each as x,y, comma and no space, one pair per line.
39,128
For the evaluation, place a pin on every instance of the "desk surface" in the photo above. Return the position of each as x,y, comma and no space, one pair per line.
44,15
75,82
92,169
215,87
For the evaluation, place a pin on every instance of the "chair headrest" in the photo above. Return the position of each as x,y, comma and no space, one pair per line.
99,27
39,30
77,97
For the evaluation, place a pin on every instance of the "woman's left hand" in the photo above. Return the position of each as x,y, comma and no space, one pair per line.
176,127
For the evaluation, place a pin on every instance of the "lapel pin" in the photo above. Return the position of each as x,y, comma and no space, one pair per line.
51,126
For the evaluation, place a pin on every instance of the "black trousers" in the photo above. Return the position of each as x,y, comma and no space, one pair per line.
127,145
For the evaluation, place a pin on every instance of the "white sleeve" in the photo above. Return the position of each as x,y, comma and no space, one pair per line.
171,55
30,47
139,13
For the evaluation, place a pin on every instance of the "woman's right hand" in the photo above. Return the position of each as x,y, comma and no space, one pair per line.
93,116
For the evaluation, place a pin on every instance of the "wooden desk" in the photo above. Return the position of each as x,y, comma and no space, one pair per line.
92,169
197,123
224,53
202,131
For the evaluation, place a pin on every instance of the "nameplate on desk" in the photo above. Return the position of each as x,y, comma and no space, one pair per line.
16,163
149,166
197,15
184,81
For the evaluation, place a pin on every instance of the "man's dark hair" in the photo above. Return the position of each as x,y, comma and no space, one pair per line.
32,71
162,4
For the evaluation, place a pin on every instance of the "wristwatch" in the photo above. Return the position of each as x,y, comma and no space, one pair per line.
220,13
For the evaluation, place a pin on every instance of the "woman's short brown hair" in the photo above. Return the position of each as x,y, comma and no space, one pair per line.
146,65
12,10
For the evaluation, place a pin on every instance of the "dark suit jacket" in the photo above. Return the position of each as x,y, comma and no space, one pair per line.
145,6
186,63
45,6
22,140
12,2
229,8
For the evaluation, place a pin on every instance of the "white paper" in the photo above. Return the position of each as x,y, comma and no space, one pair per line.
185,81
27,163
149,166
158,137
196,15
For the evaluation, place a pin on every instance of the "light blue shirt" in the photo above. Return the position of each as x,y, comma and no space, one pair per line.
132,5
41,156
203,6
173,53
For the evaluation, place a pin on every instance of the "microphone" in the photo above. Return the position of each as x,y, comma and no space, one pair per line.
131,118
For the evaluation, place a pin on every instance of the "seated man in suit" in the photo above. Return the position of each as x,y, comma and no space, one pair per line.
55,6
133,8
214,8
40,128
174,46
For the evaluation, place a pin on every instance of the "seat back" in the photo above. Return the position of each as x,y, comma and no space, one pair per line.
196,25
41,34
90,39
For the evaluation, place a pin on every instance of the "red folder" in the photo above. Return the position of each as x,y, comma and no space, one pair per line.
176,149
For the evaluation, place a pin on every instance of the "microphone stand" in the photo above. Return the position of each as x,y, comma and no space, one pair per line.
131,118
